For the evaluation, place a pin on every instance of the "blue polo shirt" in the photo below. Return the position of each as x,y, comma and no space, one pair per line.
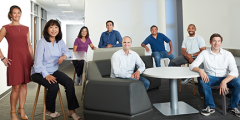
157,45
110,38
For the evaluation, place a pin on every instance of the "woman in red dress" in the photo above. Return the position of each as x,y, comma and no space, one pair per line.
19,60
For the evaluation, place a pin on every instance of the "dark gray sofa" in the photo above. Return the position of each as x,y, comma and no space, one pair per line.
116,99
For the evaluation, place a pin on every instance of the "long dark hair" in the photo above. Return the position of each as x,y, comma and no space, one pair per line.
11,9
45,30
80,35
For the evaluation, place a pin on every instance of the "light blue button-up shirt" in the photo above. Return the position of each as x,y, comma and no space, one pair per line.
47,56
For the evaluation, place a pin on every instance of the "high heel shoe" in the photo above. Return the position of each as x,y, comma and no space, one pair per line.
11,112
23,118
74,116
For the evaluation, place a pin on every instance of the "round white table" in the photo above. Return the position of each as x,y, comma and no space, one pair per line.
174,107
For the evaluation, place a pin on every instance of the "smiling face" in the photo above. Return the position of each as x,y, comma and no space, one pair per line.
154,30
16,14
84,32
191,30
126,43
53,30
216,43
109,26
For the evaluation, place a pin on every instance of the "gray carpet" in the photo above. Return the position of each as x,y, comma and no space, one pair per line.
156,96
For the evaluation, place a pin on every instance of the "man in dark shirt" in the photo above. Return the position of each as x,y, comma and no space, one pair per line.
156,40
110,37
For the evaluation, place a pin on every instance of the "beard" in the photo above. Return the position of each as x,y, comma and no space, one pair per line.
191,33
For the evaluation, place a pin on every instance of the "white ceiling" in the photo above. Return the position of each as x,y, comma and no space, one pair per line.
77,6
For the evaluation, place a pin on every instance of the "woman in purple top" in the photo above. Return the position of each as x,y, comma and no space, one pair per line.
81,44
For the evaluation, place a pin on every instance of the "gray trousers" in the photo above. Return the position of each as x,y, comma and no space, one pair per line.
180,60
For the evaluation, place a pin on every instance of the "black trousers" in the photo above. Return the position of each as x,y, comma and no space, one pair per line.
78,65
52,90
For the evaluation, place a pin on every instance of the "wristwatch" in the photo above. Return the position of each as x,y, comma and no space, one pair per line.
192,55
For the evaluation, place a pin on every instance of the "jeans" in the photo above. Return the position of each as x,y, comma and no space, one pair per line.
163,54
145,81
215,81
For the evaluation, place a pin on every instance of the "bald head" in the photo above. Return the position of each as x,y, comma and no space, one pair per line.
126,37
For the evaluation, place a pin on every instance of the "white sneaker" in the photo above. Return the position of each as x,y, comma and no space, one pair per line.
77,79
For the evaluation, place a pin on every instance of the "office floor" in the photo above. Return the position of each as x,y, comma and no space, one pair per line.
156,96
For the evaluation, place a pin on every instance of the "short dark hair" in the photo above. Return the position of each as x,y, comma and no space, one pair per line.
45,30
153,26
215,35
110,21
11,9
80,35
192,25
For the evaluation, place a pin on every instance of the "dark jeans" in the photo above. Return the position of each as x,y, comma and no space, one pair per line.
215,81
52,90
78,65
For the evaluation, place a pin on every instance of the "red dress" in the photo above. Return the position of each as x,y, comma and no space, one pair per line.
18,51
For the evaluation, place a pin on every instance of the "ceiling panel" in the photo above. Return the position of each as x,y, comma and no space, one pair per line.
77,6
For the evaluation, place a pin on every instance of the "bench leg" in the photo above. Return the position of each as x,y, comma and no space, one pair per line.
180,85
193,86
35,102
44,104
224,104
60,99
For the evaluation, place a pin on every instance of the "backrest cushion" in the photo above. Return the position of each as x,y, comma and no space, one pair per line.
104,67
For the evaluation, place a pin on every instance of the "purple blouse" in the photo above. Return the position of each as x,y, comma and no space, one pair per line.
81,45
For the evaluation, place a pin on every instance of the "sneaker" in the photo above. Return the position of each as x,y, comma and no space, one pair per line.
77,79
234,111
207,111
184,82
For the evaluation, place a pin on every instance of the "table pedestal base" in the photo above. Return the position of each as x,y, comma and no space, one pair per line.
183,108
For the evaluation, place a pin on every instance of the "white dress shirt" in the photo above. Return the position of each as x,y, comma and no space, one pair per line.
218,65
122,65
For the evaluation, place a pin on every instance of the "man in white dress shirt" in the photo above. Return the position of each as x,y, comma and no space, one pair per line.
123,63
220,69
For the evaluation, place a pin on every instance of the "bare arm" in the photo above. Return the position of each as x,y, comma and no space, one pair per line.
197,53
93,47
75,48
171,48
30,46
203,75
3,33
143,45
6,61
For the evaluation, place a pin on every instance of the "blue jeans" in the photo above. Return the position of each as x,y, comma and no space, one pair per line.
163,54
145,81
215,81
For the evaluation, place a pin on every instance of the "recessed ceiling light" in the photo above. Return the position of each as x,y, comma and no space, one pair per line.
67,11
63,4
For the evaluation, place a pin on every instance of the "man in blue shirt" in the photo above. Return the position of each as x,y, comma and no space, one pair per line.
110,38
156,40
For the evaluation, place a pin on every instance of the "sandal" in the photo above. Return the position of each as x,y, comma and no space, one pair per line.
53,115
25,116
74,116
12,112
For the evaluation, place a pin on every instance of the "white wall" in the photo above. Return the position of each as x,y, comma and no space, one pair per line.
72,33
214,16
25,20
131,18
